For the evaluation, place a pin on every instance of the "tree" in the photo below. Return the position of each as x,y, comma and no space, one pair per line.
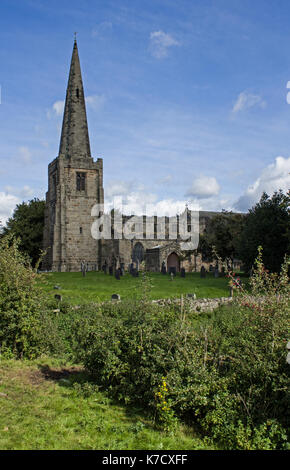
27,223
267,225
223,232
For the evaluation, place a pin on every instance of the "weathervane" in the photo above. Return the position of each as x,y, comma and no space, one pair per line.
75,33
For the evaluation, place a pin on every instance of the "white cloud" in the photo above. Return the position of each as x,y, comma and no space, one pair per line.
204,187
274,177
160,43
96,102
8,203
247,100
58,107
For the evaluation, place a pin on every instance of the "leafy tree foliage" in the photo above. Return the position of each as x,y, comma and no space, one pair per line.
27,223
223,232
267,224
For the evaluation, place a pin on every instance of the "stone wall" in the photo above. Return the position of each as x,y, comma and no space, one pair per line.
196,305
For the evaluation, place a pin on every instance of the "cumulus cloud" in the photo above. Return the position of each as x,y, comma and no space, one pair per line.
133,198
274,177
247,100
58,107
160,42
204,187
8,203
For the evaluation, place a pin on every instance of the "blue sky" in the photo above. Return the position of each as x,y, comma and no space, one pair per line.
186,100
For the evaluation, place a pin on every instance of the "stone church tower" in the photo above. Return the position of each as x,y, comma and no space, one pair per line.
75,185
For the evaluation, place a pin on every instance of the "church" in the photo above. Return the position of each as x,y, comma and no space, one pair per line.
75,187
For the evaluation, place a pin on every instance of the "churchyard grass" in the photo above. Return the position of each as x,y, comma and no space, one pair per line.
77,289
47,404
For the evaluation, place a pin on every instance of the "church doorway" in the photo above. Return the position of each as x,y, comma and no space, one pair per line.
173,262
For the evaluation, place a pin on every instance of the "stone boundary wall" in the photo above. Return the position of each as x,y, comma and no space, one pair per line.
196,305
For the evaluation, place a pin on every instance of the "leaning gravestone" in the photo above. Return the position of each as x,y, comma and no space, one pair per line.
202,272
182,272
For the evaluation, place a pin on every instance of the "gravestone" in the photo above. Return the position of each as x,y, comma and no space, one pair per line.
171,276
202,272
163,267
210,268
122,268
182,272
58,297
84,268
118,274
216,272
115,297
111,270
223,272
191,296
131,268
172,270
57,287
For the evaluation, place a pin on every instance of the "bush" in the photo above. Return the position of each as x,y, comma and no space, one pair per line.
227,372
21,302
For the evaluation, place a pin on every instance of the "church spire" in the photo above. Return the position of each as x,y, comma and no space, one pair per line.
74,142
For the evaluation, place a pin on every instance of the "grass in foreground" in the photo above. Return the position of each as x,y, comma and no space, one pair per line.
97,286
44,406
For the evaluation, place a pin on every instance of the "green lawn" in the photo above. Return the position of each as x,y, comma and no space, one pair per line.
47,405
97,286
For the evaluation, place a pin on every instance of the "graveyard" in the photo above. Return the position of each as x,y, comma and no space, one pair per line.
76,289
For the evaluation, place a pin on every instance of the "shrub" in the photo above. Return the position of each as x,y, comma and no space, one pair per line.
21,302
226,372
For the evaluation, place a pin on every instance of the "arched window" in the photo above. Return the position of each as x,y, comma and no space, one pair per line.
77,93
138,253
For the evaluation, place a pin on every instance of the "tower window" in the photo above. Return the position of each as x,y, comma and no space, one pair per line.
81,229
77,93
81,181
